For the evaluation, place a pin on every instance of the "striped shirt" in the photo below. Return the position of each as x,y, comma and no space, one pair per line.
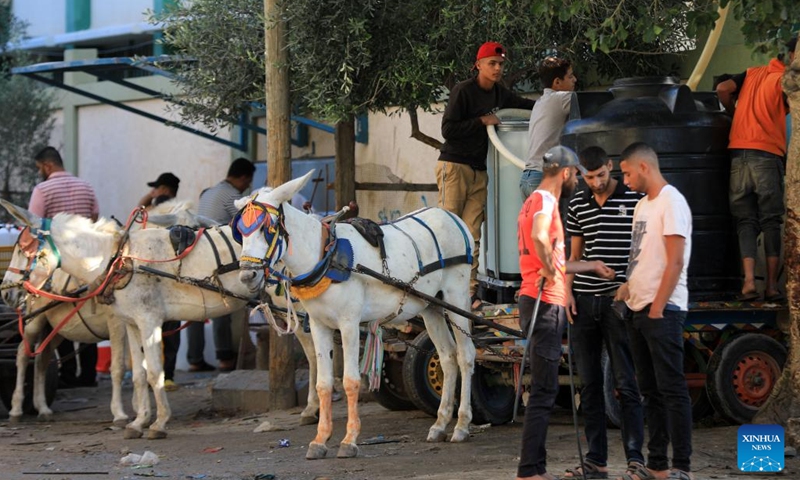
606,233
216,202
62,192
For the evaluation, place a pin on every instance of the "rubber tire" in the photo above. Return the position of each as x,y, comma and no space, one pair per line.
392,394
721,372
491,402
8,380
419,388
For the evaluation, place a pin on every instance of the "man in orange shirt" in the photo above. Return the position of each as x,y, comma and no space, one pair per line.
758,148
541,254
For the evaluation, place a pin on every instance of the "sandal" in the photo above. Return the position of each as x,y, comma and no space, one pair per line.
637,471
589,469
676,474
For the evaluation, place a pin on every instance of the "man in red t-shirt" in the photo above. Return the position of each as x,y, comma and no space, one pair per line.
541,254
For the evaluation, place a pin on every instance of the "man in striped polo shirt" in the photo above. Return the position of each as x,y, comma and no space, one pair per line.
62,192
600,219
216,203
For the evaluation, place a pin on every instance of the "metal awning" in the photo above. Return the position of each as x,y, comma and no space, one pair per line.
108,69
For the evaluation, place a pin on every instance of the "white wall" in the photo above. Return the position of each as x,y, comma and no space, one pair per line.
44,17
119,152
107,13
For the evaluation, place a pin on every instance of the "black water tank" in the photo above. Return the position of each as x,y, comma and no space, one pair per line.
690,134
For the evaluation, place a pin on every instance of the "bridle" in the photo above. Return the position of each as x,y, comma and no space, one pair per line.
260,217
33,248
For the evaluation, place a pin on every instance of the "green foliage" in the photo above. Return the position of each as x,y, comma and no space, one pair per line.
226,39
767,24
26,122
348,57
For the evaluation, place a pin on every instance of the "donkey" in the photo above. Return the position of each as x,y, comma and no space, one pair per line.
146,301
273,232
91,324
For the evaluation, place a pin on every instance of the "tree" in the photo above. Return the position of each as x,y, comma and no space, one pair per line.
26,122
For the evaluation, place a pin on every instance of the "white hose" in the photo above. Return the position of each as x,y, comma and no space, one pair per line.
507,114
708,50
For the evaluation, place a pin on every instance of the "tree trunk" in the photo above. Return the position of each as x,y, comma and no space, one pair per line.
783,407
282,393
345,181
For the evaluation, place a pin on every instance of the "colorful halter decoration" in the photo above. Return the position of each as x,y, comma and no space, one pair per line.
255,217
32,247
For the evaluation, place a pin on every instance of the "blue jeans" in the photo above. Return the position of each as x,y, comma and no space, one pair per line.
544,352
657,347
529,182
756,199
597,320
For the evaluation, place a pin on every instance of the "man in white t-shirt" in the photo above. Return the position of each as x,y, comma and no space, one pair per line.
658,298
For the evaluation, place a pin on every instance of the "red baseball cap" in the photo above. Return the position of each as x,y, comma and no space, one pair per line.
491,49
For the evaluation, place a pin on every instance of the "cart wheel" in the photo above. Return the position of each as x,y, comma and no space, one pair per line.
422,374
492,399
392,394
8,379
742,373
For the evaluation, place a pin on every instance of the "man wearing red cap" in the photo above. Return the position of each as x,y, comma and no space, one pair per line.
461,170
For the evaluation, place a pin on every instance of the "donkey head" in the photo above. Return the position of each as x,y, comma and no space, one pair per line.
259,227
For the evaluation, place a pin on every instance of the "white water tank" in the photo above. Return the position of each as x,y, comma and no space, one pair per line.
499,254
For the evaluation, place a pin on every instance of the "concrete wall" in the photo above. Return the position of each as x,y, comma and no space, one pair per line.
118,153
107,13
44,17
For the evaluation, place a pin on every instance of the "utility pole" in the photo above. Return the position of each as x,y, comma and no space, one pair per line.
282,393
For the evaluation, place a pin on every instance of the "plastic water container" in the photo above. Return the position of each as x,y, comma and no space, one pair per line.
8,235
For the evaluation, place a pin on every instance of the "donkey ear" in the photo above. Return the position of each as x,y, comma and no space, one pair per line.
23,216
285,192
241,202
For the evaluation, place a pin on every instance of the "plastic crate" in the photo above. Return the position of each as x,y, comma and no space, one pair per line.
5,258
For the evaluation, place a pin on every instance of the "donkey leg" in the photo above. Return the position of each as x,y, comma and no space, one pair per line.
141,397
440,335
352,385
323,342
309,414
117,336
466,362
151,339
41,364
18,397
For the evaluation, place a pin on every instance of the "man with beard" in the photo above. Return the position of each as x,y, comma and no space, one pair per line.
62,192
541,255
599,221
657,295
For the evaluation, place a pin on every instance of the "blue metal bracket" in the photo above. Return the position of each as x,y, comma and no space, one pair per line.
102,69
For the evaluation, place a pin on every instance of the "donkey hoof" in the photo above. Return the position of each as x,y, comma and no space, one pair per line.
436,435
45,417
15,420
459,435
131,433
347,450
120,423
316,451
154,434
312,420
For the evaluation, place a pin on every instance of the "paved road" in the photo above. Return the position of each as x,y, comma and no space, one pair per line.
204,445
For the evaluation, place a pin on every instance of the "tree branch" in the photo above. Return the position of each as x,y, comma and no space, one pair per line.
417,135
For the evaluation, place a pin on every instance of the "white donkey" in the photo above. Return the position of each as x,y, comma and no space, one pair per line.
91,324
274,231
146,301
94,322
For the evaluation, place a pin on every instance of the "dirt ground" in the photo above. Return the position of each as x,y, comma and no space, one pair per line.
81,444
